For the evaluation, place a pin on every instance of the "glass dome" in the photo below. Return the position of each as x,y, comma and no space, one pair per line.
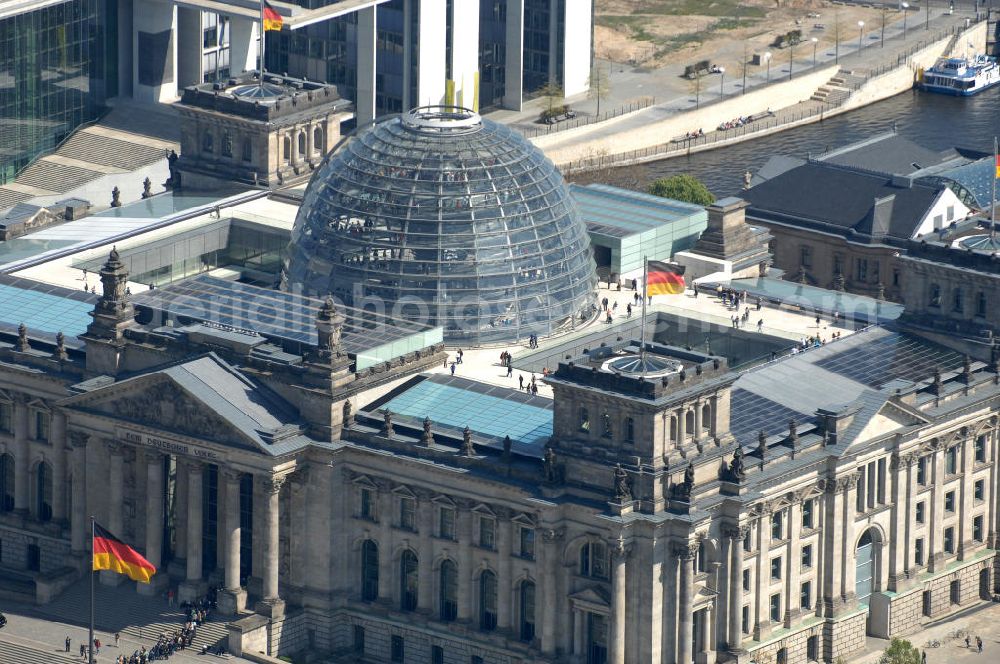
442,216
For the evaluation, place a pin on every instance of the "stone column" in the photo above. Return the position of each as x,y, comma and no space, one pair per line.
685,590
734,636
193,586
549,564
425,563
762,626
793,563
154,521
616,650
179,563
681,426
272,605
233,598
833,536
21,453
387,586
78,518
935,550
850,571
464,565
579,617
503,569
115,517
57,436
899,528
965,544
697,420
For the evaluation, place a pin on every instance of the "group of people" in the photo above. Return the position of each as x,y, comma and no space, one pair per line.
531,387
741,320
734,299
694,134
735,123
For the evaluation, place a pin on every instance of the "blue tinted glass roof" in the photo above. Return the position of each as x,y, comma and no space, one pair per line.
43,308
821,300
975,177
619,212
486,409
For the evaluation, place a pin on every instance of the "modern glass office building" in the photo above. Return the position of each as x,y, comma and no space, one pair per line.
58,66
446,218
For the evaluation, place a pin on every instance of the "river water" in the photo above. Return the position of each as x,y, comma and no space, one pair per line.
935,121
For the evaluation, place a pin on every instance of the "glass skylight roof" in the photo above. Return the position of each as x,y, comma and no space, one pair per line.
448,218
892,357
43,308
486,409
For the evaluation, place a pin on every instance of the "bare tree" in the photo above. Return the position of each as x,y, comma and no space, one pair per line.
600,84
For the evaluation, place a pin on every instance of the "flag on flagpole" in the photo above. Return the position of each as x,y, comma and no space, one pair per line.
111,553
996,161
664,278
272,19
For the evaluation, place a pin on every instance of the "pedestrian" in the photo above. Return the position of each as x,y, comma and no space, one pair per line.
83,650
452,368
118,638
817,321
628,311
979,645
445,365
923,657
614,307
967,642
170,596
650,300
510,371
760,325
694,289
67,643
520,381
459,360
97,646
635,285
534,389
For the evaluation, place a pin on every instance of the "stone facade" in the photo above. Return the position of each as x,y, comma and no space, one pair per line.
231,134
641,533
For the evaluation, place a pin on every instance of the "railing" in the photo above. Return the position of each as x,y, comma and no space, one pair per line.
584,120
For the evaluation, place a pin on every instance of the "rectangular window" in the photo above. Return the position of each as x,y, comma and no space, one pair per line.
745,620
921,511
746,580
949,540
812,648
805,256
979,490
951,460
776,568
895,277
926,609
807,514
446,523
776,607
807,556
437,655
407,514
487,532
949,501
880,490
981,304
955,592
918,551
949,213
41,425
527,549
747,542
776,526
367,510
922,471
629,430
980,449
859,499
396,649
977,528
6,417
862,271
359,639
805,595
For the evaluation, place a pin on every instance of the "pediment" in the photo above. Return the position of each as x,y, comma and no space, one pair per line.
890,417
590,597
156,401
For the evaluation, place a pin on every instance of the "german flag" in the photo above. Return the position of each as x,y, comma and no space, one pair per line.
664,279
998,166
113,554
272,19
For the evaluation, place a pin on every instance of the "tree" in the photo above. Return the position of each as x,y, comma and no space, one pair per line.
682,188
552,93
599,84
900,651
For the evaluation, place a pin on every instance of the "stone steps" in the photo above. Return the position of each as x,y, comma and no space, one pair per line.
89,146
11,653
46,174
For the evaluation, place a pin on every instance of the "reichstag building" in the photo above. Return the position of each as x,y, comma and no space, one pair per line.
662,507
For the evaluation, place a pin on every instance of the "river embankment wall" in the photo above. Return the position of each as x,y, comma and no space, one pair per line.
593,146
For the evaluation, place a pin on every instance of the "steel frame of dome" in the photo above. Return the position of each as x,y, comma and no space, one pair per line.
442,216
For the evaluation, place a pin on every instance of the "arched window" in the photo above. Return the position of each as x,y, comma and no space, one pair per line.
689,423
594,560
487,601
526,610
207,142
706,416
227,144
673,428
449,591
302,144
247,150
43,492
286,149
369,571
6,482
864,561
318,140
701,559
408,581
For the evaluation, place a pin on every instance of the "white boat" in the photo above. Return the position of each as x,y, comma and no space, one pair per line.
961,76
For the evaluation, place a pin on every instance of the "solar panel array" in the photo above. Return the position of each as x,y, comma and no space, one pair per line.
269,312
891,357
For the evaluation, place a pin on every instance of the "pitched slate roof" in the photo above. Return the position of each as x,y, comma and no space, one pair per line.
836,199
889,154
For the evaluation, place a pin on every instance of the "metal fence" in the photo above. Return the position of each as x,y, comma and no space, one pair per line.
584,120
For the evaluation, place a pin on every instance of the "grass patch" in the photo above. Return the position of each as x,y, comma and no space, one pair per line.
634,25
730,23
698,8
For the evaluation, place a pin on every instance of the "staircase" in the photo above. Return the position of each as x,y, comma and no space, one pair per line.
130,137
122,609
21,654
837,90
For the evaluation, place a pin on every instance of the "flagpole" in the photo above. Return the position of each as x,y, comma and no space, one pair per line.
993,203
263,34
642,327
90,642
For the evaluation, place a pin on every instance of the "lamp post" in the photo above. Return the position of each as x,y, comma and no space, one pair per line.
767,59
927,16
722,82
791,58
905,7
882,38
861,33
815,42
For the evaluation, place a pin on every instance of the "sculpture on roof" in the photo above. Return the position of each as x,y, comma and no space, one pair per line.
468,449
22,338
147,188
116,200
348,413
683,490
387,423
60,351
427,438
623,488
549,462
736,470
506,448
